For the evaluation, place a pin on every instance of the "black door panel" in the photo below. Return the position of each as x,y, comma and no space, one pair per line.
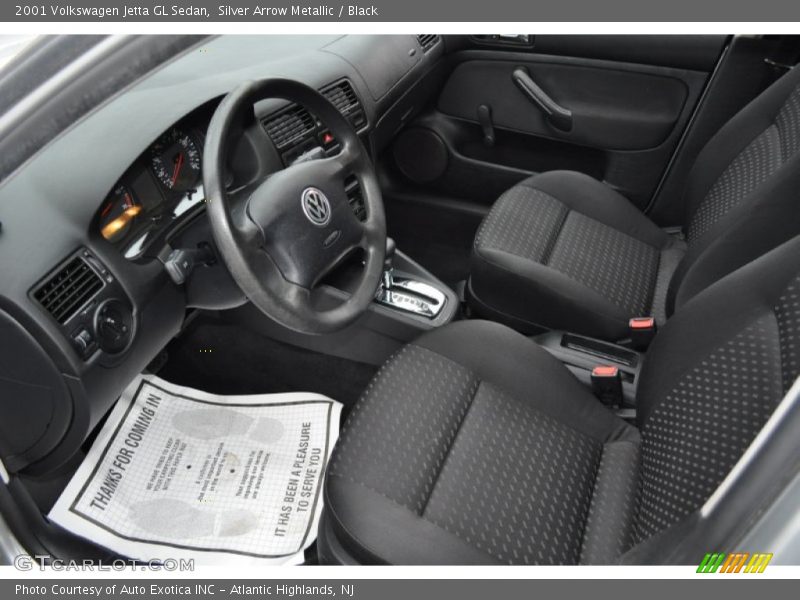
612,108
630,98
475,172
692,52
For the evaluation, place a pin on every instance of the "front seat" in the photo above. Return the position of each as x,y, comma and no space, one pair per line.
563,251
475,446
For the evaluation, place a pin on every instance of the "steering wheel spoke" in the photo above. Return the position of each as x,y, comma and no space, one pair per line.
347,159
247,233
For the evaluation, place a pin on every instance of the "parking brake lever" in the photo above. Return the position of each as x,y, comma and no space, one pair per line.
558,116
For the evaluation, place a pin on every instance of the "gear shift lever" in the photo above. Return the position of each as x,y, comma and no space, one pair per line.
407,294
388,269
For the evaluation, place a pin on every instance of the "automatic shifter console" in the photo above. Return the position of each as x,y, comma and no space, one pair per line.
409,295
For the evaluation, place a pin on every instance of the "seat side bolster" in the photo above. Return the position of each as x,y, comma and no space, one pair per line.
364,519
668,265
746,233
733,138
518,286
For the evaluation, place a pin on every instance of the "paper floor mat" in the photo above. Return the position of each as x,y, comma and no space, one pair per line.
178,473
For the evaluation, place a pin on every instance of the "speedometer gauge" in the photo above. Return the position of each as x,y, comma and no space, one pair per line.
175,160
117,213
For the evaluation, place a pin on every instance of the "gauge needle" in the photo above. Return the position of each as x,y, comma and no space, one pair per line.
177,170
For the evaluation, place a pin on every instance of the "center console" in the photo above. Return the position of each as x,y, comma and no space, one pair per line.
582,354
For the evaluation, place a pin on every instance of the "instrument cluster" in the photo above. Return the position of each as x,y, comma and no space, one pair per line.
162,185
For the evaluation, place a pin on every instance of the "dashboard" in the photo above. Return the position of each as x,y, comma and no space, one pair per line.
87,224
163,187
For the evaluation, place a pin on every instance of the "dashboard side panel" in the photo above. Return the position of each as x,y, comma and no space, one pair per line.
35,402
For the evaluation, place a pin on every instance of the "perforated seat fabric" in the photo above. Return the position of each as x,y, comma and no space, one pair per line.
480,457
474,446
563,251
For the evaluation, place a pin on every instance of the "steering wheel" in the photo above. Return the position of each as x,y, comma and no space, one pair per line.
282,233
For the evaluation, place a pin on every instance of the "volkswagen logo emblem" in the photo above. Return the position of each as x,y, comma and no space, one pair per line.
316,206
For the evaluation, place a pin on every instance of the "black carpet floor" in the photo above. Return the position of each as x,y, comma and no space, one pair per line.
221,358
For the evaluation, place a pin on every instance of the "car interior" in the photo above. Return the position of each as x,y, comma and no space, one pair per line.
553,280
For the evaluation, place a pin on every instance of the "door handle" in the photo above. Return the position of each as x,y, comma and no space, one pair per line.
558,116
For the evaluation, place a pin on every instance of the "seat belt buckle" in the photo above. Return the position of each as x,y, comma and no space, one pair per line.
607,385
642,331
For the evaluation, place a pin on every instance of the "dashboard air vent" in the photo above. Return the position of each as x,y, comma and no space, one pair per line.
427,41
342,95
289,126
69,289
